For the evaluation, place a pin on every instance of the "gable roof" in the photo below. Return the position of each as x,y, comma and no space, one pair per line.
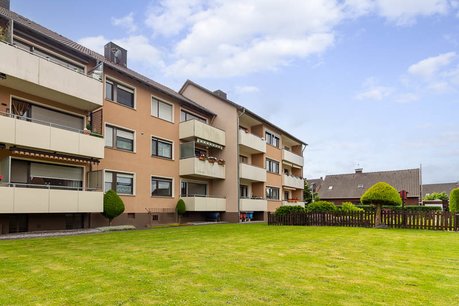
353,185
443,187
239,107
316,183
67,43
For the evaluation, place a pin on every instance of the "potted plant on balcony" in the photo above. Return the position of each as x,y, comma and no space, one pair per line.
1,178
221,161
202,157
211,159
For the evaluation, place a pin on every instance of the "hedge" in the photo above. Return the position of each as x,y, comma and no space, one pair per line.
285,210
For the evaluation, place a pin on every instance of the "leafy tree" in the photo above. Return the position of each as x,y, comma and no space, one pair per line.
349,207
113,206
321,206
454,201
381,194
437,196
308,195
180,209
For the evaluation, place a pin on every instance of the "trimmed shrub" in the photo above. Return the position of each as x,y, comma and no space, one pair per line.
454,200
321,206
180,208
437,196
285,210
383,194
349,207
113,206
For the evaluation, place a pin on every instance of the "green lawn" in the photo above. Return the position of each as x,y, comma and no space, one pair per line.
234,264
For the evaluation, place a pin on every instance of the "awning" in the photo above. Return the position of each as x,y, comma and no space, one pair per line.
52,155
209,144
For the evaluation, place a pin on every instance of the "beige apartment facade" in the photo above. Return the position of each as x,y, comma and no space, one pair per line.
74,124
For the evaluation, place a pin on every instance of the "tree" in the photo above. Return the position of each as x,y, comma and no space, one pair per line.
180,209
381,194
437,196
308,195
454,201
113,206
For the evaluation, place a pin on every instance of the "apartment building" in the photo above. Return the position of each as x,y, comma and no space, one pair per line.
75,123
268,161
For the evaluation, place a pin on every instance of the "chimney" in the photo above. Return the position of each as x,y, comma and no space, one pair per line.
115,54
358,170
220,93
5,4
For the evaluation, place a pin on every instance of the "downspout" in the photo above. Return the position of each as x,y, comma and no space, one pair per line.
420,185
237,169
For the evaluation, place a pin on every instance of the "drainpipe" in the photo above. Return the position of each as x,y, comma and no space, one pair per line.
237,170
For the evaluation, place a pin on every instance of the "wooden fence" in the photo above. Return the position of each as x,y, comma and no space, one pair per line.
433,220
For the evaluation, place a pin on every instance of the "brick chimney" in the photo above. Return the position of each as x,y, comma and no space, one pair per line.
5,4
221,94
115,54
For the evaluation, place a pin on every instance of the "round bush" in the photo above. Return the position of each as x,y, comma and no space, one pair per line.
321,206
285,210
381,194
113,205
454,200
349,207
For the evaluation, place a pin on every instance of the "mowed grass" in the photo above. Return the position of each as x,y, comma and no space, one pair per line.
234,264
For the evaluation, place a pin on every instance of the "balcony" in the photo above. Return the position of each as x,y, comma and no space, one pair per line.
292,182
19,198
195,129
40,77
194,167
253,205
292,203
252,143
204,203
252,173
292,158
48,136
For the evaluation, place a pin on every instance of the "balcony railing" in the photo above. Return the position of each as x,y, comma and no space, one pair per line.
252,143
205,203
252,173
292,181
292,158
202,168
195,129
29,198
253,204
49,136
40,76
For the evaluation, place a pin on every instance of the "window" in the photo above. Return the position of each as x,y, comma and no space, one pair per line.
119,93
192,189
272,139
161,109
122,183
161,148
243,159
272,193
119,139
161,187
244,190
185,116
272,166
131,215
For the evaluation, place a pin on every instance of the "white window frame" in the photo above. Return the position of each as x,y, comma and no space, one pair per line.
123,128
124,86
193,113
165,102
165,178
121,172
163,139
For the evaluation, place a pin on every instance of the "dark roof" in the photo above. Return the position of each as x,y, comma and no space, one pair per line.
65,42
239,107
443,187
353,185
316,182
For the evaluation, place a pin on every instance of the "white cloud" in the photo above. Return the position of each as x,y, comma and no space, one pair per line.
126,22
373,91
404,12
427,68
95,43
407,97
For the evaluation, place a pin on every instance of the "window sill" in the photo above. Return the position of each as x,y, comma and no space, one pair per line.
162,158
120,150
126,195
165,120
162,197
121,104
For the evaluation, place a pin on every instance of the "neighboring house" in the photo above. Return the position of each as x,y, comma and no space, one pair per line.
350,187
442,187
150,143
315,184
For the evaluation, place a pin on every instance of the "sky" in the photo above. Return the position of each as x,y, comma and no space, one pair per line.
365,83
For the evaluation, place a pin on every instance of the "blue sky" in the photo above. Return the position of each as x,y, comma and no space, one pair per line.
368,83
